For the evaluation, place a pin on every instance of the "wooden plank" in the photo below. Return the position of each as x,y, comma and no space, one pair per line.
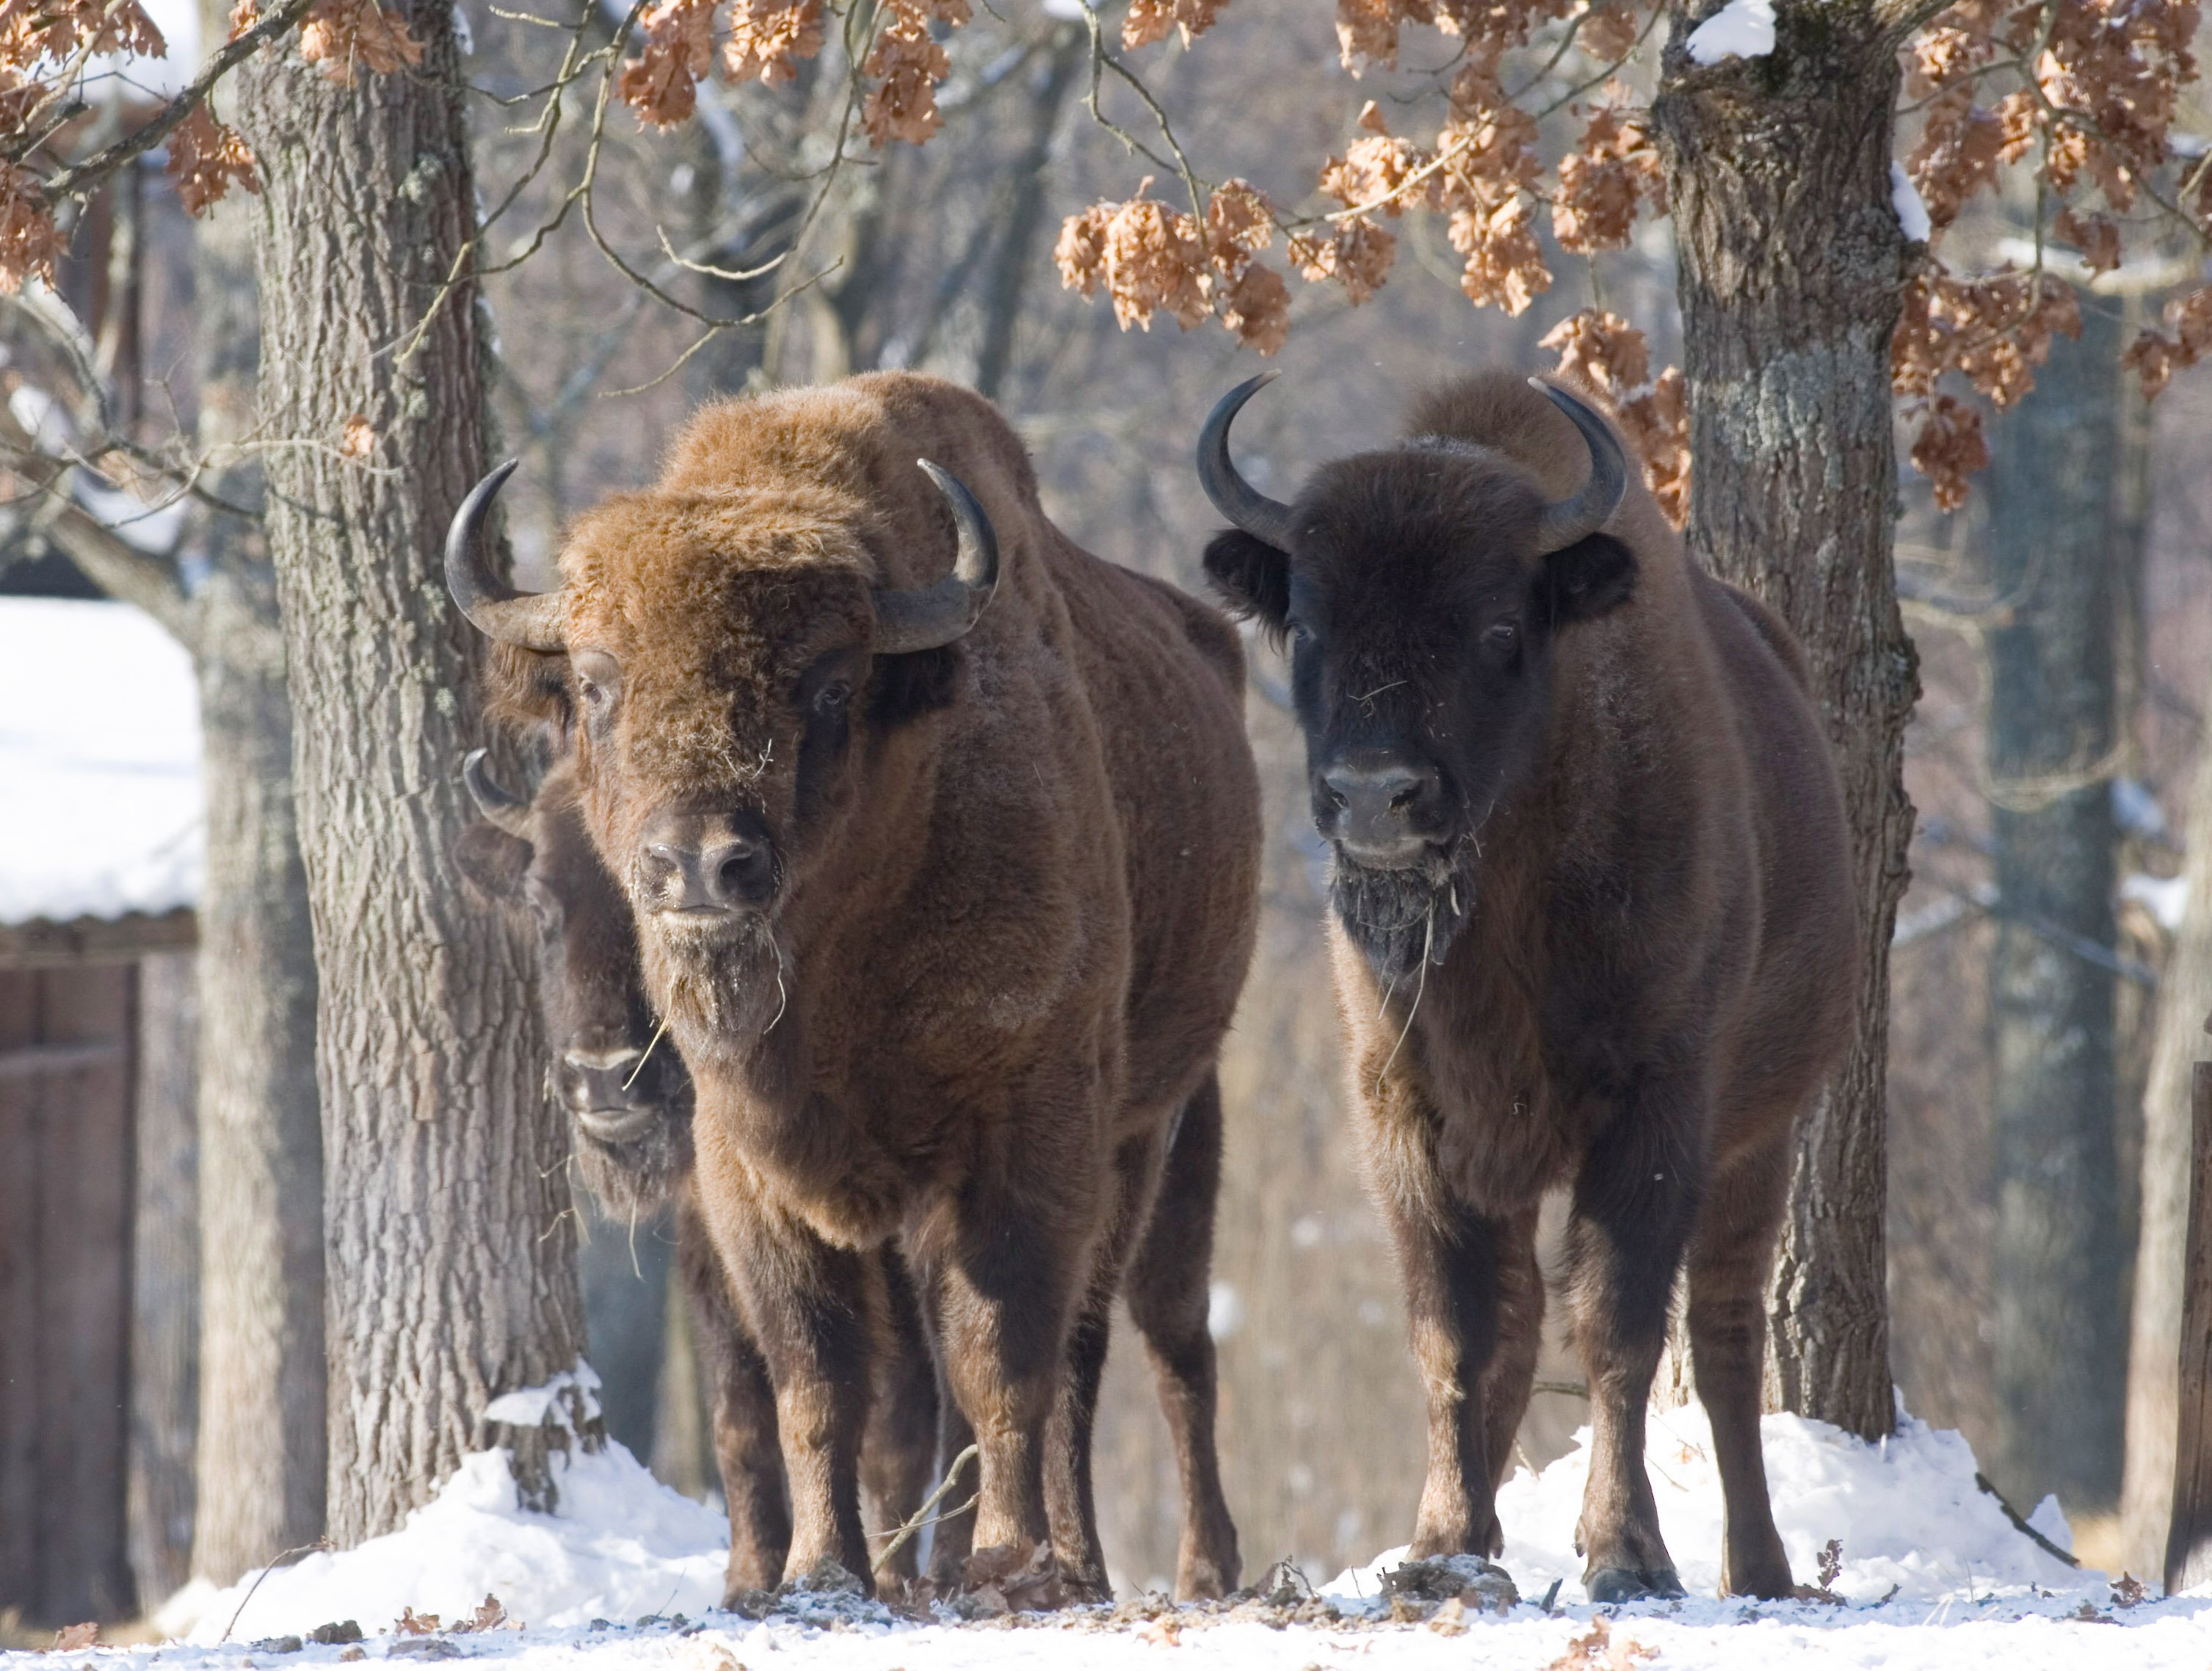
44,945
2189,1537
19,1287
85,1187
165,1278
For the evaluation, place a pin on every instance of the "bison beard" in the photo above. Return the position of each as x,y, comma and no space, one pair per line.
1631,985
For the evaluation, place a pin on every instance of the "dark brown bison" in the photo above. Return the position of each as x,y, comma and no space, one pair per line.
629,1111
942,837
1593,925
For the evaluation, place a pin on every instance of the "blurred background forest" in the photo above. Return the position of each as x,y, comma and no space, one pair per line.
940,259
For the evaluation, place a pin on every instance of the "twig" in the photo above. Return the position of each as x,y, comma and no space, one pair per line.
284,1559
922,1515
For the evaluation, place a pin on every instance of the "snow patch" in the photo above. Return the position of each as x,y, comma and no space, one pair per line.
99,747
2049,1521
1905,198
622,1545
1224,1311
2165,897
530,1406
1741,29
1914,1526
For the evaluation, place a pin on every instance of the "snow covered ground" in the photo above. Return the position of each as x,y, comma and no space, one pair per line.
1926,1571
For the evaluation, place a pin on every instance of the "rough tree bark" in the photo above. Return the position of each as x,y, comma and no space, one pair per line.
451,1268
1791,268
2185,1003
263,1397
2060,1336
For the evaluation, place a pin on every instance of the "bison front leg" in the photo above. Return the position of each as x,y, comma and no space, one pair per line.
1003,1276
812,1307
1633,1204
746,1451
897,1459
1450,1259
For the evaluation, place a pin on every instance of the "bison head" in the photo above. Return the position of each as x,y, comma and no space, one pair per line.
1423,590
734,673
629,1103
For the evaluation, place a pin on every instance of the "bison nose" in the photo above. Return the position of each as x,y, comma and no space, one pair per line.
596,1085
1382,812
708,864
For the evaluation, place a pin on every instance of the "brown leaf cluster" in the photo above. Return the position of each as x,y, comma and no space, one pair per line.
1605,185
1148,21
675,41
1994,330
1949,447
347,36
769,37
54,32
1367,31
75,1638
30,242
1150,259
206,159
2096,86
2154,357
1604,353
908,63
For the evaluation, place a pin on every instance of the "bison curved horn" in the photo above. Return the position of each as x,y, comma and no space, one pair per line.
531,620
1585,511
500,810
1264,519
927,617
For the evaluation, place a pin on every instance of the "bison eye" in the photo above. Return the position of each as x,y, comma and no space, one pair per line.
1503,636
832,698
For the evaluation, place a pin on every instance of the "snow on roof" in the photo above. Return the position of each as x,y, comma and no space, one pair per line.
99,749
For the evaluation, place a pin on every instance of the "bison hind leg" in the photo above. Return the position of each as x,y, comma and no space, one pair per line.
1169,1295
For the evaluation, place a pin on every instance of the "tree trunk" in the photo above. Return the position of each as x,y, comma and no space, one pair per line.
165,1254
1792,264
263,1397
2060,1339
2185,1003
450,1259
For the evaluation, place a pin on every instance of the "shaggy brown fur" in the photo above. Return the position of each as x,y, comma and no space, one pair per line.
1619,961
1010,904
605,1063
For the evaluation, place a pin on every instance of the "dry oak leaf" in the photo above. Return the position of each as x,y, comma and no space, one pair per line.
1161,1632
206,159
1504,263
676,44
1594,1650
2096,236
358,441
908,63
1601,351
30,242
1148,21
1256,305
58,31
1357,253
71,1637
1950,448
2154,357
345,35
409,1622
1609,34
769,37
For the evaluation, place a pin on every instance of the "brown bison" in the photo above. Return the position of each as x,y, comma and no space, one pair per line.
1593,925
942,837
629,1111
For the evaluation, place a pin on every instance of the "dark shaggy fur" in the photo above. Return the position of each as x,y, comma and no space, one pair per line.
1620,960
1009,908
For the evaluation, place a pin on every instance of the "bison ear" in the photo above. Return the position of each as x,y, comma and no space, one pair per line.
1586,580
1253,578
493,861
908,686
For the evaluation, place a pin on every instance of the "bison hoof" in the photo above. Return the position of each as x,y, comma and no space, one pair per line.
1621,1583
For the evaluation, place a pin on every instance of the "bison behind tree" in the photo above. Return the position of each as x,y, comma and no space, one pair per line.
946,885
1593,925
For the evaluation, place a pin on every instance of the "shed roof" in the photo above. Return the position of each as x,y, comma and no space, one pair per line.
100,752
